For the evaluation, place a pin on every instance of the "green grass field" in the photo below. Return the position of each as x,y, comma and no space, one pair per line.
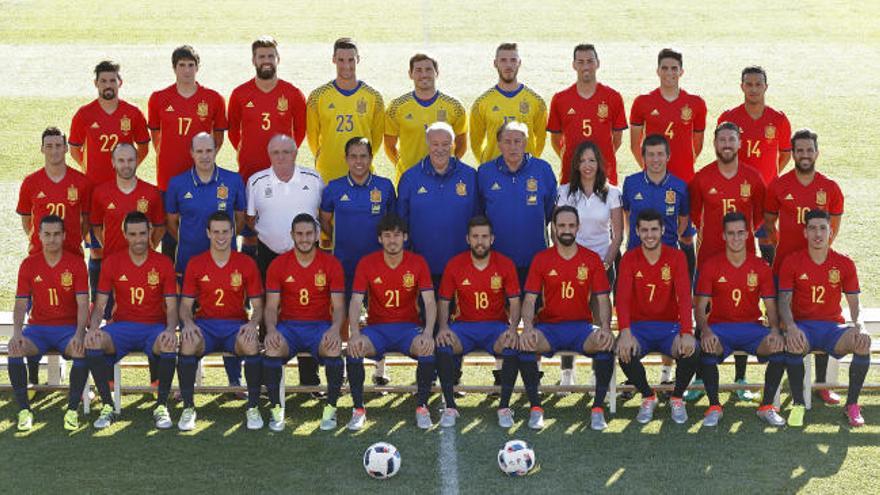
823,64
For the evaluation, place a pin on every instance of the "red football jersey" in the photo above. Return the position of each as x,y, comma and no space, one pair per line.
658,292
678,120
566,285
305,290
139,292
52,289
817,289
791,200
221,292
480,295
179,119
70,199
255,116
98,132
392,293
592,119
110,206
736,291
713,195
763,139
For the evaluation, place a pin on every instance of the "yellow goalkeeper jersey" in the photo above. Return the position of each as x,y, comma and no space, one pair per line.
495,107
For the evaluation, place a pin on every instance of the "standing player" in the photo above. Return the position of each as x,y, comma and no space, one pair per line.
789,198
221,283
654,314
304,291
144,317
587,111
735,283
486,290
392,280
55,285
507,100
342,109
409,115
566,276
811,283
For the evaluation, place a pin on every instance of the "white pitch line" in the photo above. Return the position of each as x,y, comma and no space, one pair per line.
448,460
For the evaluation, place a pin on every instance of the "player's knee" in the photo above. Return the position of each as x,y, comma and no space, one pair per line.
246,348
324,351
710,359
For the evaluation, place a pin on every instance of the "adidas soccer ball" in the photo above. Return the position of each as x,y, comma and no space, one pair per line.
516,458
382,460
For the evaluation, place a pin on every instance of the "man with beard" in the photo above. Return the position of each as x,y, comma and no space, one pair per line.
486,290
342,109
789,198
507,100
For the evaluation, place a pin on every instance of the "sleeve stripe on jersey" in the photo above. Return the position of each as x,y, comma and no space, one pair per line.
338,291
22,297
702,294
533,292
173,294
786,290
768,297
620,128
602,292
188,296
142,142
273,291
855,292
81,292
105,292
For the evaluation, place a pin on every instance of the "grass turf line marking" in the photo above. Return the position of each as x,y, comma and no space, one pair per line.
448,462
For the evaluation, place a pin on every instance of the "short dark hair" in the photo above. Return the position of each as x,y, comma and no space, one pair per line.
220,216
184,52
816,213
392,222
304,218
669,53
565,209
106,66
51,219
506,46
418,57
52,131
654,140
649,215
264,41
134,217
805,134
345,44
479,221
753,69
727,126
585,47
734,216
358,141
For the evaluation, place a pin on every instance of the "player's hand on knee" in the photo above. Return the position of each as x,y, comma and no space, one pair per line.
168,339
16,345
775,342
604,340
331,342
95,339
687,344
356,347
78,345
190,334
796,341
710,343
509,338
627,346
273,339
862,343
444,336
424,344
528,340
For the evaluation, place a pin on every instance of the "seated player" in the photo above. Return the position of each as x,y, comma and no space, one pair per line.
392,281
144,319
218,286
305,289
567,275
811,283
485,287
654,314
735,282
55,284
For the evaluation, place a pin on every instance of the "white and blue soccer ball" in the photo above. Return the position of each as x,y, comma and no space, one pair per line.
382,460
516,458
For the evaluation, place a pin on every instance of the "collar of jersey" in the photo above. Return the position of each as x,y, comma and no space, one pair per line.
428,169
198,182
347,92
366,183
662,182
504,169
426,103
510,94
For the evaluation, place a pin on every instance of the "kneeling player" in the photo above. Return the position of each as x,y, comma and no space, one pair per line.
219,283
144,289
811,283
392,280
56,284
654,314
567,275
304,290
735,283
485,286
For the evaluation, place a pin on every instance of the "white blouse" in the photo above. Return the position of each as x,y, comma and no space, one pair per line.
595,217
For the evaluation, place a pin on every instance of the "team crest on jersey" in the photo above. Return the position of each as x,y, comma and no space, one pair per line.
602,111
267,192
686,113
282,104
362,106
770,132
523,107
821,198
409,280
745,190
461,189
495,282
834,276
72,194
125,124
320,279
222,192
375,196
441,115
583,273
235,279
202,109
143,204
670,197
532,199
532,184
66,279
153,277
752,280
666,273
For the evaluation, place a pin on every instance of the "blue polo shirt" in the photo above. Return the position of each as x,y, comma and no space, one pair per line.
356,211
195,201
669,198
437,209
519,204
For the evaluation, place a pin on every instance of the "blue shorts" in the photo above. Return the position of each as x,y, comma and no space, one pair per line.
391,337
92,241
49,337
219,335
303,336
823,335
478,334
690,231
129,336
655,336
566,336
761,233
746,337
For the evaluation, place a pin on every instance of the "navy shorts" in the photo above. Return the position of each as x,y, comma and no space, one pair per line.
655,336
478,334
391,337
303,336
761,233
823,335
129,336
220,335
566,336
49,337
746,337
